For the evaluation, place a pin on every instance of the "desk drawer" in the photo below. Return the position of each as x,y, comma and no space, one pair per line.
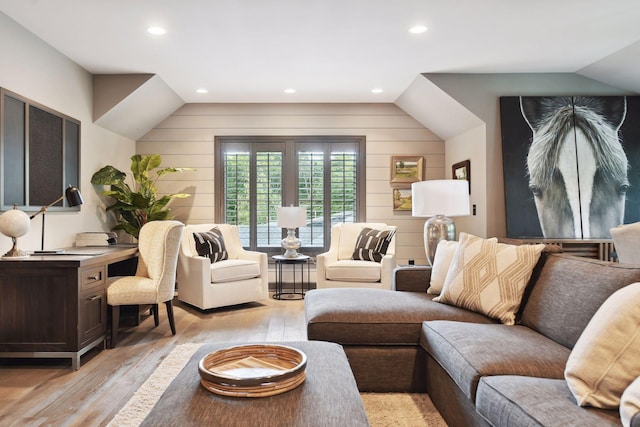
91,277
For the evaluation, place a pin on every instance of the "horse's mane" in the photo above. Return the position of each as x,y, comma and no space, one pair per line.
603,138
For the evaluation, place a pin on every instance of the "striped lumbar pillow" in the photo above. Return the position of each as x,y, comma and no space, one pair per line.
210,244
372,245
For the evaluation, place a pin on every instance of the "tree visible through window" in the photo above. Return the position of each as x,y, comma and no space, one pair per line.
256,175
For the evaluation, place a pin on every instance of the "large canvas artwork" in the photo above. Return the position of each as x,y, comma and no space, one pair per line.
571,165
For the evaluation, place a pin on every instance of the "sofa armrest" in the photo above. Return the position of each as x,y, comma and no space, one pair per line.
412,278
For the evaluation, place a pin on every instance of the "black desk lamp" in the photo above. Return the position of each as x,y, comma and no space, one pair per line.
74,198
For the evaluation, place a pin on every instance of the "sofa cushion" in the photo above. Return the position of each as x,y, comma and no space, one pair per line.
489,277
372,244
522,401
232,270
349,270
469,351
567,293
606,357
210,244
630,404
364,316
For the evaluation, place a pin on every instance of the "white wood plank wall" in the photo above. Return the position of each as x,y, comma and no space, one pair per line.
186,139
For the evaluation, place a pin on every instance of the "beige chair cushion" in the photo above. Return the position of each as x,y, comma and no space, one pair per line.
353,271
489,277
127,290
630,403
606,357
232,270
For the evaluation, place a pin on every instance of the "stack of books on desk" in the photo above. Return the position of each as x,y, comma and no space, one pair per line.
98,238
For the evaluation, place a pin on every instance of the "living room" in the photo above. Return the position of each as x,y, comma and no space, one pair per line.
445,115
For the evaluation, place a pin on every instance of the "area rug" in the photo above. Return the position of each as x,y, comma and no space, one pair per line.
383,409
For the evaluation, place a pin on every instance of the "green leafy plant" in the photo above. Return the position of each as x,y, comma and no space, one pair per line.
139,204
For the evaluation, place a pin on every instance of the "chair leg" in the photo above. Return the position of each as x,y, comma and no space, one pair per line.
172,322
115,323
156,314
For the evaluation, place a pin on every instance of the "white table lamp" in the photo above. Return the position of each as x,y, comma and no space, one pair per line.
14,223
291,217
439,199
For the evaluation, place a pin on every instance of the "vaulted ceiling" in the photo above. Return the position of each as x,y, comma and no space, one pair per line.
324,51
335,50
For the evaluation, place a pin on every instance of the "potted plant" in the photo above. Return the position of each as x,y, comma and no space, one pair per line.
137,205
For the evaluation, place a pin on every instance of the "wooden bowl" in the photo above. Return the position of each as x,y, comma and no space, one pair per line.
253,370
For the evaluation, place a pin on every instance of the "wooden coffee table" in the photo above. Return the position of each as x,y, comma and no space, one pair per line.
328,397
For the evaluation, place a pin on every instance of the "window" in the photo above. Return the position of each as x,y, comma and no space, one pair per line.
39,152
256,175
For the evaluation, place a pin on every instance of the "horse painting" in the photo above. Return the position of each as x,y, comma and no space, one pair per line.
576,164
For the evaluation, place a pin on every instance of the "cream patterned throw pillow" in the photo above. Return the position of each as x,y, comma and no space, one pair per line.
441,264
489,277
606,357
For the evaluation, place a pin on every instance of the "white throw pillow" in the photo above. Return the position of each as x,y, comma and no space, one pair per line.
489,277
606,357
630,403
441,263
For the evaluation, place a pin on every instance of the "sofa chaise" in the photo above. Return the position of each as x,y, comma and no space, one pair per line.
477,370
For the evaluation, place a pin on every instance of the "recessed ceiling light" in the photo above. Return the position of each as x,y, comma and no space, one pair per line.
156,31
290,90
202,90
418,29
377,90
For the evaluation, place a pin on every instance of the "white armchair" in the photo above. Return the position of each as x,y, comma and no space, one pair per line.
241,278
336,268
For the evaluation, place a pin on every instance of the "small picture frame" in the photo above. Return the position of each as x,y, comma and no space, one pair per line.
402,199
462,170
406,169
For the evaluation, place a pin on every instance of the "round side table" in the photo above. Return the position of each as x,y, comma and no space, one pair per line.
300,260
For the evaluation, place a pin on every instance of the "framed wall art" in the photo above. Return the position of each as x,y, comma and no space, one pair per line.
462,170
402,199
571,165
406,169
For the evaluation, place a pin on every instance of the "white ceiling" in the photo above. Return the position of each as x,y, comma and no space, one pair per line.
335,50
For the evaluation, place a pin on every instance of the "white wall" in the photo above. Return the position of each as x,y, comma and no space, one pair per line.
471,145
186,139
33,69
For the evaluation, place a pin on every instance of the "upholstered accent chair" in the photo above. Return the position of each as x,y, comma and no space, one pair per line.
338,268
626,240
232,276
155,279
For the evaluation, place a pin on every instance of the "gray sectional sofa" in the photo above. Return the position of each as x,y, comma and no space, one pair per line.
477,371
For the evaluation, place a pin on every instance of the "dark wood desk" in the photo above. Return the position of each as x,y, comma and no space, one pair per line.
56,305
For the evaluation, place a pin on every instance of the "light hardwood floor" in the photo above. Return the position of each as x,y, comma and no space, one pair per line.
49,393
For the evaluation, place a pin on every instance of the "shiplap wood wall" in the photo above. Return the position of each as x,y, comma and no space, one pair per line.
186,139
